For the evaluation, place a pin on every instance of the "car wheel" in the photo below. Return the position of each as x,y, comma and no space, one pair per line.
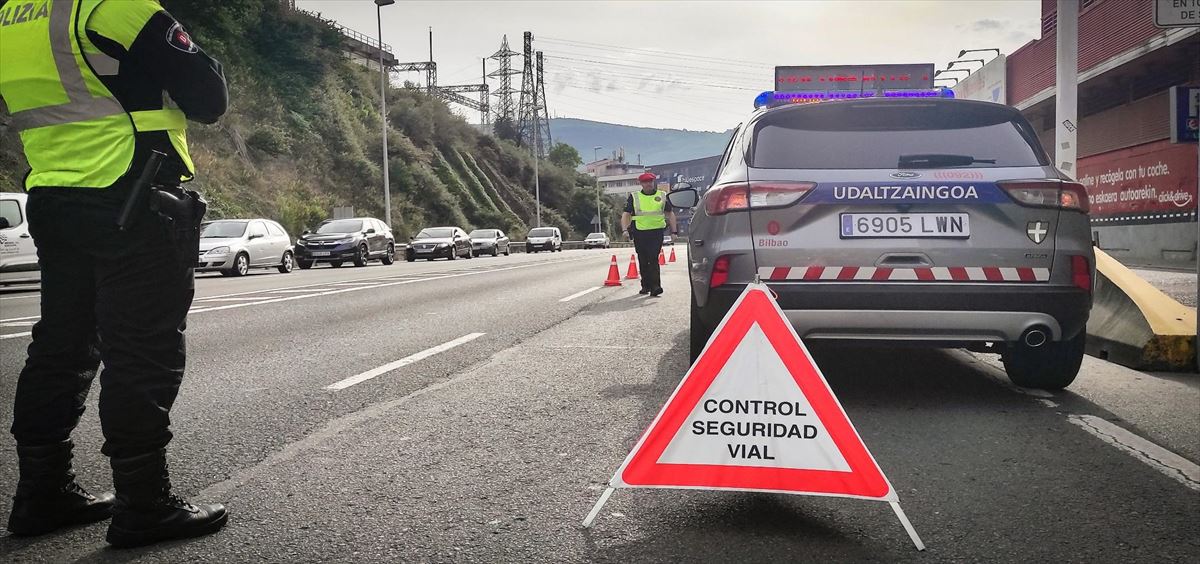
288,263
362,255
698,332
496,251
1052,366
304,264
411,259
453,255
390,256
507,250
336,264
241,265
470,254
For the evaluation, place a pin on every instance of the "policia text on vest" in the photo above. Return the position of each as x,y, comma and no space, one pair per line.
646,217
85,82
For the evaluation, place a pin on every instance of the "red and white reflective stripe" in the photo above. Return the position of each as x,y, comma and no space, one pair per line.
935,274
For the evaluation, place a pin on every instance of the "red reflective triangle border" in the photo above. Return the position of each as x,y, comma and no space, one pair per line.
865,479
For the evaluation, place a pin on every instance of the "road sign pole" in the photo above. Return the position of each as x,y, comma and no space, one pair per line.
1066,87
912,533
591,516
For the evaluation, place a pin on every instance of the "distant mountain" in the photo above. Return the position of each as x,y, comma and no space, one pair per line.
656,146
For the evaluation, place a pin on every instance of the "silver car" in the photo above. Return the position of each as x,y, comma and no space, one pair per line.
935,221
234,246
489,241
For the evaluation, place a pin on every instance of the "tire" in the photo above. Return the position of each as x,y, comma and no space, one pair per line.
507,250
698,332
288,263
453,255
336,264
390,256
241,265
1052,366
411,259
362,256
304,264
496,251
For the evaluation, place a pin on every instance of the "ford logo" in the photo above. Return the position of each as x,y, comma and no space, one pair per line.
905,174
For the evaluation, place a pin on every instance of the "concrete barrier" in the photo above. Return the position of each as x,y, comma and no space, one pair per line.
1136,325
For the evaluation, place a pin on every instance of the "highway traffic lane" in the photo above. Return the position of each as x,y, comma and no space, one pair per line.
257,374
501,462
18,310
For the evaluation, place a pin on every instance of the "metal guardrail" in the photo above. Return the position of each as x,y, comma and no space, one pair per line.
352,34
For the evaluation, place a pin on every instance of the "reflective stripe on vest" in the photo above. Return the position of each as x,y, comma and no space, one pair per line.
648,210
88,140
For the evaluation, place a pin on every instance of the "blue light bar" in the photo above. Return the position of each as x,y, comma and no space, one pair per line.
772,99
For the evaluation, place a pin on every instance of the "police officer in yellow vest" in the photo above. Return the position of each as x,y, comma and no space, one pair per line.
646,217
94,87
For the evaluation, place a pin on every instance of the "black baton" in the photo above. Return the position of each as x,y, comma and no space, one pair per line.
143,182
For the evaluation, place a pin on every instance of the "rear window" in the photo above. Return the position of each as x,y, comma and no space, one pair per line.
862,135
542,232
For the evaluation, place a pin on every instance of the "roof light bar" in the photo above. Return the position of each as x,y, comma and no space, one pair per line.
772,98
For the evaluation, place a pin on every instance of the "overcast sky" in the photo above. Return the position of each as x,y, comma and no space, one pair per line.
680,64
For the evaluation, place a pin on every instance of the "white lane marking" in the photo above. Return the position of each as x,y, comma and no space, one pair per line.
20,318
578,294
237,299
1048,403
360,378
29,323
298,290
271,300
385,285
33,295
1174,466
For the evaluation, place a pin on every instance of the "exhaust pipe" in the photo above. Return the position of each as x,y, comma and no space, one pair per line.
1035,337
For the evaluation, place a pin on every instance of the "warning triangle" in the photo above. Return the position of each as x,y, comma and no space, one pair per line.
754,413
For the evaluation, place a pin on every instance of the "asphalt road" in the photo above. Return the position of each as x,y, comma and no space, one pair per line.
462,411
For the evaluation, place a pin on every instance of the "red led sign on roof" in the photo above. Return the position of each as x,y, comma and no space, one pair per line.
858,78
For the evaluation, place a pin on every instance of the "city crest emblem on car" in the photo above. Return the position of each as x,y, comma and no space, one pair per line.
1037,230
906,174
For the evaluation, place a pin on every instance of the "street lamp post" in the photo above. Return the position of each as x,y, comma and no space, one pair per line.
599,218
980,61
596,152
387,192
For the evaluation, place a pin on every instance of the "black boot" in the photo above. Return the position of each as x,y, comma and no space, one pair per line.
47,496
147,512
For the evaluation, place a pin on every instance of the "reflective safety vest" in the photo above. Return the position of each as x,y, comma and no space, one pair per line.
75,132
648,210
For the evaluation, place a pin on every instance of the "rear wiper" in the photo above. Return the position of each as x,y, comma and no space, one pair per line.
935,160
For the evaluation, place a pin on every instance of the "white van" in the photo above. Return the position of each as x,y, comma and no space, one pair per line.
18,256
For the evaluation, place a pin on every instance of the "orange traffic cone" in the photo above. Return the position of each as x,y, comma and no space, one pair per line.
662,259
672,257
632,273
614,275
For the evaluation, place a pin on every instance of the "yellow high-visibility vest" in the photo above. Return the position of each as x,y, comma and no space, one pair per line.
75,132
648,210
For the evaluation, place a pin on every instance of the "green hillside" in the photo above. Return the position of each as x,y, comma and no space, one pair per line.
655,146
302,136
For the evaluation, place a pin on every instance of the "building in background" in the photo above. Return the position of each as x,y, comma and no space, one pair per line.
1141,181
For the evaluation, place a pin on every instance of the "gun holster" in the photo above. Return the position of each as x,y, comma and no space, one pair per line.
185,208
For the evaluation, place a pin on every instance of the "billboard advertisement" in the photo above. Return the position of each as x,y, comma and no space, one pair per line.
1150,183
985,84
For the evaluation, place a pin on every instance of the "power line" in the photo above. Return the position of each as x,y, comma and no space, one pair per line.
704,84
641,81
628,60
676,54
637,66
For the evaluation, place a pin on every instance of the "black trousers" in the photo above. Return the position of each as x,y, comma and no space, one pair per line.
111,296
648,244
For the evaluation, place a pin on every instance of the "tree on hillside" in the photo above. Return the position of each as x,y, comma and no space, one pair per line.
505,129
565,156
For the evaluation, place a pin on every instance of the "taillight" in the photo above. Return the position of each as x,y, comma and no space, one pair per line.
1081,273
1048,193
720,272
740,196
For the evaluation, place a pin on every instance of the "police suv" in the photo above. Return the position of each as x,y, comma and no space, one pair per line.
922,220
